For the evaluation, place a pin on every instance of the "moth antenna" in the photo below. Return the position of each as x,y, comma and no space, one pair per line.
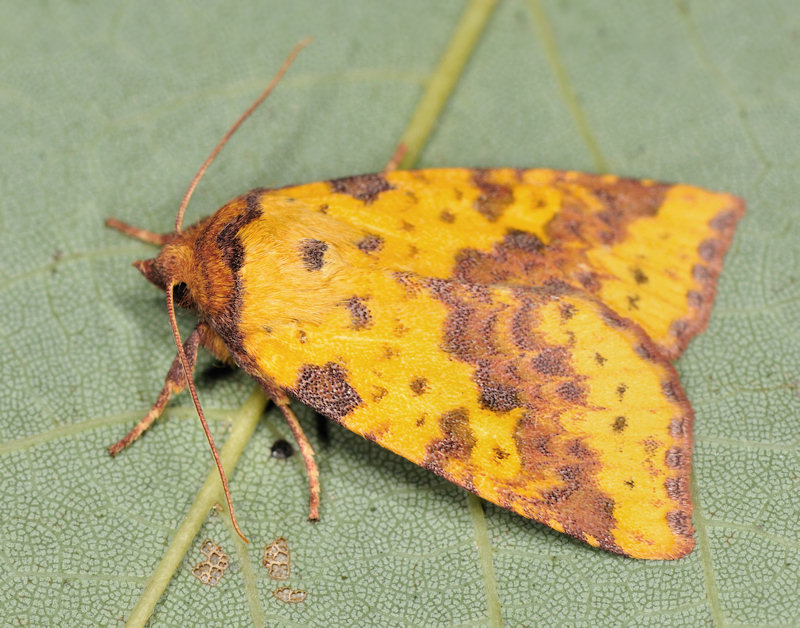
278,76
189,381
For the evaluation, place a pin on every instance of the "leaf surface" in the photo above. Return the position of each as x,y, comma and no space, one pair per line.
110,107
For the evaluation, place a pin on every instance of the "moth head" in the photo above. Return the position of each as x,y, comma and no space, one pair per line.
170,266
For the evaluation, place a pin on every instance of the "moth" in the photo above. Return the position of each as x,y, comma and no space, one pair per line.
509,330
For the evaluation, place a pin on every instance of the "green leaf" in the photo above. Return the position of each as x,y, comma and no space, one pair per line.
109,108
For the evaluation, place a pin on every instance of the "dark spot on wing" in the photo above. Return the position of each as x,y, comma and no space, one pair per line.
553,361
601,360
457,440
365,188
419,385
313,253
326,389
674,458
639,276
493,198
370,243
680,523
360,316
572,392
447,216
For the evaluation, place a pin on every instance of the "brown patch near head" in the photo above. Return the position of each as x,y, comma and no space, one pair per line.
620,423
227,238
313,253
419,385
370,243
326,389
360,316
217,285
456,443
365,188
493,198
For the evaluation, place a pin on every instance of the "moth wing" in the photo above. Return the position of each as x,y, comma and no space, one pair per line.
546,403
650,251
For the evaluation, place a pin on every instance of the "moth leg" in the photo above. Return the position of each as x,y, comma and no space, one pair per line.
150,237
174,383
399,153
282,401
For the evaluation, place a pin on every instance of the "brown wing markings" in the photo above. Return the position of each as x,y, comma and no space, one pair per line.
712,251
326,389
501,388
494,197
576,502
366,187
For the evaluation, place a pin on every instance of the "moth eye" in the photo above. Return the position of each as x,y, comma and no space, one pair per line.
181,295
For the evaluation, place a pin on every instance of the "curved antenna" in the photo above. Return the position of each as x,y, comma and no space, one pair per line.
187,373
190,190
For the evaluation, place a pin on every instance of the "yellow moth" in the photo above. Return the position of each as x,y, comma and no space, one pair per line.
507,329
